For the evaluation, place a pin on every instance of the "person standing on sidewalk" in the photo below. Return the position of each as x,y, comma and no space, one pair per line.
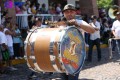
94,39
3,47
9,32
116,30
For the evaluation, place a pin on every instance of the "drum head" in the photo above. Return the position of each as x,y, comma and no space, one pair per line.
72,50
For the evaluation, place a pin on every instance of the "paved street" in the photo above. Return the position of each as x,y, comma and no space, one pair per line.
106,69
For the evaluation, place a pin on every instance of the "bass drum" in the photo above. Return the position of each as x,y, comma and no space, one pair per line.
55,50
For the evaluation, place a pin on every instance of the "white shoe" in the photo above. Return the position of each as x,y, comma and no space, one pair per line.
16,57
101,43
13,69
20,58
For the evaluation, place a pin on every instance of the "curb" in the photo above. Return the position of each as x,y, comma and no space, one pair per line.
101,46
18,61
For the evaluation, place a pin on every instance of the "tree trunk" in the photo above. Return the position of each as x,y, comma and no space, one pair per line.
12,13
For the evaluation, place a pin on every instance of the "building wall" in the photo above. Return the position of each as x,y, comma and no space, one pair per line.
71,2
12,13
43,1
95,7
118,2
89,7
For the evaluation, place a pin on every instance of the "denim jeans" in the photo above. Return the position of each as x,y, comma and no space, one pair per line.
91,45
87,38
69,77
114,45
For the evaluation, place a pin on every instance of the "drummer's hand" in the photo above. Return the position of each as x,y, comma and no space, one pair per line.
96,29
72,22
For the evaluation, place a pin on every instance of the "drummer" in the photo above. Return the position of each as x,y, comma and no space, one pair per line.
69,13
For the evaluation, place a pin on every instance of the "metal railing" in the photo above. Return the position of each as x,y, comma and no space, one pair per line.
51,17
20,18
110,44
54,17
0,17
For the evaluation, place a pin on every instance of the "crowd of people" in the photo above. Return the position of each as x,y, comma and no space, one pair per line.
37,8
104,19
11,43
97,31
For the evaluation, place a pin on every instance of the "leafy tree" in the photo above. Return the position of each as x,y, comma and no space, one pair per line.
104,3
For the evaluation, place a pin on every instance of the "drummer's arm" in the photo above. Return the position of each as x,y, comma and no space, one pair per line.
86,27
113,31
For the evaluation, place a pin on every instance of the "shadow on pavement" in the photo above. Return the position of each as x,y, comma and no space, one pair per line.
105,59
24,73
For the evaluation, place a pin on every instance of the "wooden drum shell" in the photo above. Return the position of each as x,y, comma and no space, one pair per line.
41,50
